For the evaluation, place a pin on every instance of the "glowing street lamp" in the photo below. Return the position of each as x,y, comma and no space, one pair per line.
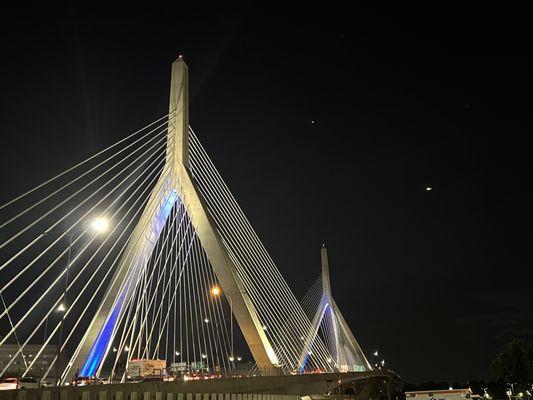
100,224
216,291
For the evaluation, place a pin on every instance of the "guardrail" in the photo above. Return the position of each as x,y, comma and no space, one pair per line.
93,393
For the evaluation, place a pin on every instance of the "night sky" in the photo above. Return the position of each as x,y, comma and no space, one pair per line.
328,126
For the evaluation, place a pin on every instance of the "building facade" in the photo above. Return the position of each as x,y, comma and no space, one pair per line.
20,363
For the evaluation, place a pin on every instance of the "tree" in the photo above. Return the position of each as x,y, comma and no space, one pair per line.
514,364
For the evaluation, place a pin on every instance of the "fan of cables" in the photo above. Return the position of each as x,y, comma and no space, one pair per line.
60,244
283,319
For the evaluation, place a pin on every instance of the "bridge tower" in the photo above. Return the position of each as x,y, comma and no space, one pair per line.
347,353
97,340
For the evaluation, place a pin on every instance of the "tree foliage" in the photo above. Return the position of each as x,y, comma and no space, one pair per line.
514,363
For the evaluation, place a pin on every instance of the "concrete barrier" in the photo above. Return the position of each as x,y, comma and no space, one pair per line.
288,387
36,394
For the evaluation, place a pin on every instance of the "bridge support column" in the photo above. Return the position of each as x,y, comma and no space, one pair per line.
346,347
97,341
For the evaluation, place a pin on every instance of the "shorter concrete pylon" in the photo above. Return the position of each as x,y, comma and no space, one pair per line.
346,352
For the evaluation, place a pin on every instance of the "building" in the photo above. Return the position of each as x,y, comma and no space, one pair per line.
451,394
18,366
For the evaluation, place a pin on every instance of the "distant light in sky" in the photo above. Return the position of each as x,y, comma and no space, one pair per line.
312,121
429,189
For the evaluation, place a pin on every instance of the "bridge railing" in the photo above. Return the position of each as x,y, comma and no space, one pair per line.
94,393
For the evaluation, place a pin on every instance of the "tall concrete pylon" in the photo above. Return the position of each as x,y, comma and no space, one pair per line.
347,352
97,341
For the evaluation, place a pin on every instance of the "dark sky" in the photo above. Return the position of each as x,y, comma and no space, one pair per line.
401,99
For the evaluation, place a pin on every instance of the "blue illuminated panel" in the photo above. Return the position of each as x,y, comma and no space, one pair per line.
302,367
100,345
95,356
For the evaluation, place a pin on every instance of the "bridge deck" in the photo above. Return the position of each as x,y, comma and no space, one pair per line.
298,385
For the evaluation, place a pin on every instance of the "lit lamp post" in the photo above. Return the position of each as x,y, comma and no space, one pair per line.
217,291
378,364
99,225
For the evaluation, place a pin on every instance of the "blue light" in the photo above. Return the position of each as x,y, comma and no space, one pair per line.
100,345
302,367
95,356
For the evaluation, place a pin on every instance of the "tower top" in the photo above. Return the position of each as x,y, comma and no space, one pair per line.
326,285
177,147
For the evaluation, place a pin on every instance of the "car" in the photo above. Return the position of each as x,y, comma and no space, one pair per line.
9,384
47,383
28,382
82,381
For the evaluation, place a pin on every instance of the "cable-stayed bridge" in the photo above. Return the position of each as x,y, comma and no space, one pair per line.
142,252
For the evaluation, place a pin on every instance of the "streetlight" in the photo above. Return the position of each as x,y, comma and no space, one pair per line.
99,225
61,308
217,291
378,364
